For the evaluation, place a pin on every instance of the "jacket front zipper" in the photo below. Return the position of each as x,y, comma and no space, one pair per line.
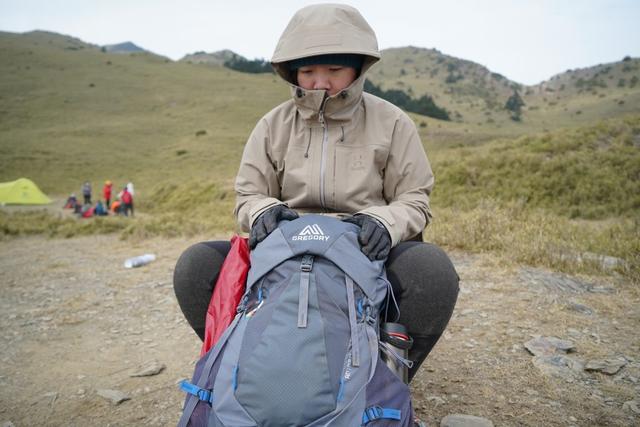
325,138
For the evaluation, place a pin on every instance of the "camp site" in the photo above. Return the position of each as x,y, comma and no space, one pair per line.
535,200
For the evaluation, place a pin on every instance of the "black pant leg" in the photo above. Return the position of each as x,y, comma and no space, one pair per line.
194,278
425,285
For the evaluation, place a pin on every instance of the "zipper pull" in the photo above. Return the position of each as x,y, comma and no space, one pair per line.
321,118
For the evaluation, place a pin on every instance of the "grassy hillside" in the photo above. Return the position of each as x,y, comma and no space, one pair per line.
591,173
476,97
532,190
70,113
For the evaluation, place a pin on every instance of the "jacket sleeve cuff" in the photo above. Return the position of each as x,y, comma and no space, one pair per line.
260,206
382,214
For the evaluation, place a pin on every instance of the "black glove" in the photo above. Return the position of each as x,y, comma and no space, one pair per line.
268,221
374,238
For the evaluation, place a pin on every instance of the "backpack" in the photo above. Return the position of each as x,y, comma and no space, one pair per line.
126,197
303,349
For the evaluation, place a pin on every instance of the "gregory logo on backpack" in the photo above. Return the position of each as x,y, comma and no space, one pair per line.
311,232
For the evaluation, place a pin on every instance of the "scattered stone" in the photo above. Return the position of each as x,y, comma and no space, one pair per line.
7,424
606,262
548,346
631,405
580,308
558,366
461,420
574,332
607,366
52,396
551,281
149,369
115,396
436,400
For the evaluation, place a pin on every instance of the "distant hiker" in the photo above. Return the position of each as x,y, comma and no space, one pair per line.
106,193
71,203
116,207
100,209
127,202
130,188
334,149
87,211
86,192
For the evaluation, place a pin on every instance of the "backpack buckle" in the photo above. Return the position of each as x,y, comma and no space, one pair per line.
369,315
374,412
307,263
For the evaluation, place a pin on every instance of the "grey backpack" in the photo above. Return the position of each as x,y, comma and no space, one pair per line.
303,349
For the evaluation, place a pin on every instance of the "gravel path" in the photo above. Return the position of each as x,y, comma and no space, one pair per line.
75,325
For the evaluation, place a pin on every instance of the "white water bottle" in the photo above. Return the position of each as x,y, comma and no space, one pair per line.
139,261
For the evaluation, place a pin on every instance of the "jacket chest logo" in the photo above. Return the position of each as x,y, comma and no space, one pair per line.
357,162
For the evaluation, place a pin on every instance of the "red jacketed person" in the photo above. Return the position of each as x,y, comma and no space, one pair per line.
106,193
127,201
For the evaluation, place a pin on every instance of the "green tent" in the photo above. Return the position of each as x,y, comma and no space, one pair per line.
22,192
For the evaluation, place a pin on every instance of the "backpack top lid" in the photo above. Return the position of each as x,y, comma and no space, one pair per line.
324,236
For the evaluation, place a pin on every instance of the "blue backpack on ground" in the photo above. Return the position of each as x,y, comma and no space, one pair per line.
303,349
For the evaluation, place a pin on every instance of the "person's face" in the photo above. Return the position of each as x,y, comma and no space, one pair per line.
332,78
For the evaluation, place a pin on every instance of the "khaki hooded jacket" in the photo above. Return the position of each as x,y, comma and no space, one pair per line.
343,154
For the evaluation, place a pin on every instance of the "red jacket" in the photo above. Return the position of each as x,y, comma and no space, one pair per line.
106,191
126,197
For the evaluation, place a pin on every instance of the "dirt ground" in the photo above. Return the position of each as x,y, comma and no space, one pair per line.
74,321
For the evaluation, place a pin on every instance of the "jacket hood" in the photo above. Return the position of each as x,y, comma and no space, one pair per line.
319,30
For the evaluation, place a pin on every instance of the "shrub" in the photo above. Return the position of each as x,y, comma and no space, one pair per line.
424,105
255,66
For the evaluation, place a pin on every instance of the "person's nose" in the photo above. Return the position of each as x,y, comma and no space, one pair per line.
322,82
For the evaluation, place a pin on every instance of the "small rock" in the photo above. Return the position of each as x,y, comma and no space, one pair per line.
607,366
574,332
580,308
631,405
437,400
52,396
115,396
558,365
548,346
605,261
7,424
461,420
149,369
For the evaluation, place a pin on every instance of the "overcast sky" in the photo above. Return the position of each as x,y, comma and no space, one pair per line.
526,40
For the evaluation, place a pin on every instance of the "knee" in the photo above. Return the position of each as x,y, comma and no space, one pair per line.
438,262
425,268
193,267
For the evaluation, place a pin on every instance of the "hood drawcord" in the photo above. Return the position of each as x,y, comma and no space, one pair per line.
306,153
342,138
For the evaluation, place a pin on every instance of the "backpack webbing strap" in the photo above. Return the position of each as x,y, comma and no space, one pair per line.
355,348
373,413
303,297
211,356
201,393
